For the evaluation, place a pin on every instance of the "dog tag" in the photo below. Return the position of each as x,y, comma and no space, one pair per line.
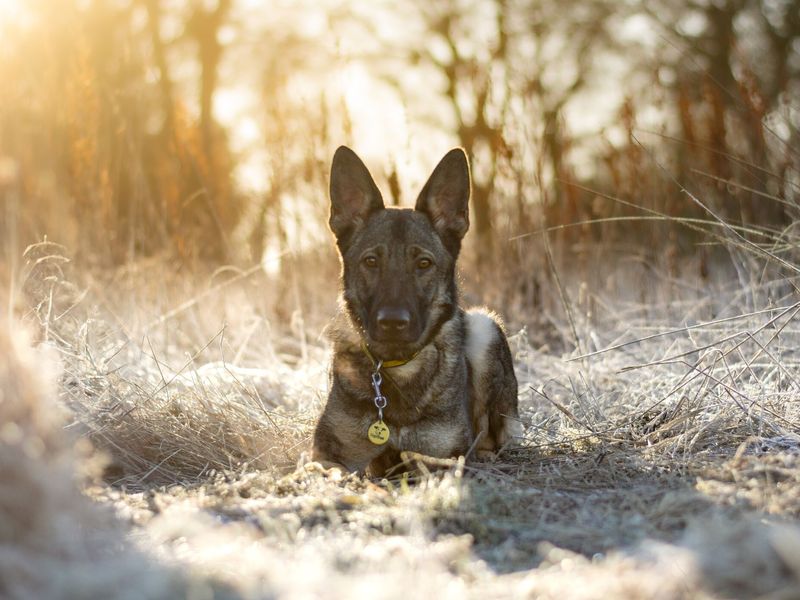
378,433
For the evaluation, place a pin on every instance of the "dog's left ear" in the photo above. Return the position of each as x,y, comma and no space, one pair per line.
445,199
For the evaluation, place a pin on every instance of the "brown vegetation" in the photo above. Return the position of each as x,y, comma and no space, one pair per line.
153,429
55,542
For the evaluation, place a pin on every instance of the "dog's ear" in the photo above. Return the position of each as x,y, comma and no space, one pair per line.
354,195
445,199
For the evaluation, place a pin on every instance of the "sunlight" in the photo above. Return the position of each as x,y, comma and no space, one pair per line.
206,308
11,12
378,115
271,261
8,8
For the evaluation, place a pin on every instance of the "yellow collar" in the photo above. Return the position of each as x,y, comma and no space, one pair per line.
387,364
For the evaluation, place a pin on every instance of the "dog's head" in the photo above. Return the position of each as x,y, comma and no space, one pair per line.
399,264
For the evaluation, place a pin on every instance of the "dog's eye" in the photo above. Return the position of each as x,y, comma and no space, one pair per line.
424,263
371,261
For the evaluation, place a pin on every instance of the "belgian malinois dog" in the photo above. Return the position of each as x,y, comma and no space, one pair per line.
412,370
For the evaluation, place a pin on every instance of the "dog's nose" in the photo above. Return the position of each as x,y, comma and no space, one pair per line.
393,320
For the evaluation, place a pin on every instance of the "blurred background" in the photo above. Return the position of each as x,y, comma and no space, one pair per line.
163,237
200,132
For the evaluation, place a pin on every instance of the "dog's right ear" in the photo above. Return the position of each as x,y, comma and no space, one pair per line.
354,195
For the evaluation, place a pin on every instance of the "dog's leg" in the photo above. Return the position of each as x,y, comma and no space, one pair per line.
340,441
441,437
494,410
501,417
384,464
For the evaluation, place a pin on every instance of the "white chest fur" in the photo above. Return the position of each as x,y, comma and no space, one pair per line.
481,333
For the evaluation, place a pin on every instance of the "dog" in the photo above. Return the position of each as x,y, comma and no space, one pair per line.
412,370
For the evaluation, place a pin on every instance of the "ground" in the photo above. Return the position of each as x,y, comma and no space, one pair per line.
661,456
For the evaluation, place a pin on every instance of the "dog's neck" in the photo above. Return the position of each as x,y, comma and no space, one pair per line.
347,338
382,363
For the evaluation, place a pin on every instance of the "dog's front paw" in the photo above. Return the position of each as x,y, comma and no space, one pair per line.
485,455
331,470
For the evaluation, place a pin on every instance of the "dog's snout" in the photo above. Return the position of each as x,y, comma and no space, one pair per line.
395,325
393,320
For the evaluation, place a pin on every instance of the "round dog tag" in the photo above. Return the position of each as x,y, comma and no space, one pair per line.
378,433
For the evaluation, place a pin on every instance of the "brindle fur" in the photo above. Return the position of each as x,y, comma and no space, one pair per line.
459,382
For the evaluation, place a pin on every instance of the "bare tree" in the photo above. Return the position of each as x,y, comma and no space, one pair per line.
203,27
531,52
736,62
154,12
469,73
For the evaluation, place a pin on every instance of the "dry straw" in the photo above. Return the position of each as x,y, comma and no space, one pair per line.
661,462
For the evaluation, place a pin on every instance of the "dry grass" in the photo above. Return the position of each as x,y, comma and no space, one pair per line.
153,430
54,542
664,463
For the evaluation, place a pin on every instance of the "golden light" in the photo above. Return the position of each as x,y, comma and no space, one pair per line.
10,12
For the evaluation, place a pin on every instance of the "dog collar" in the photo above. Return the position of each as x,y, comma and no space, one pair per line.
386,364
378,433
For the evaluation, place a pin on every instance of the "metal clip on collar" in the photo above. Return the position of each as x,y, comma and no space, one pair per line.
380,399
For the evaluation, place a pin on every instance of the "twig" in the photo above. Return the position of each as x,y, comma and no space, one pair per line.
562,293
683,330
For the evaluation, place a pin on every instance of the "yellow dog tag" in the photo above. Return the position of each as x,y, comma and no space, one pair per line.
378,433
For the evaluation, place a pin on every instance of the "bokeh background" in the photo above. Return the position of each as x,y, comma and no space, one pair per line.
202,130
164,246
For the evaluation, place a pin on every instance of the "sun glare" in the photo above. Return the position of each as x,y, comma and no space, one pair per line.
10,11
377,113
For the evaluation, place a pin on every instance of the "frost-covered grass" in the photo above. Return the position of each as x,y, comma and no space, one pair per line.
661,456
